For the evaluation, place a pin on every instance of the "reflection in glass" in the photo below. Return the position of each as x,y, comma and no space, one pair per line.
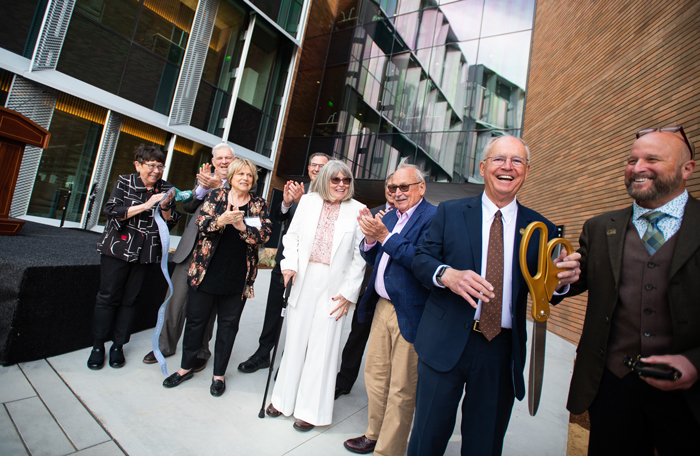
419,82
130,48
506,16
76,128
218,76
507,55
19,25
464,18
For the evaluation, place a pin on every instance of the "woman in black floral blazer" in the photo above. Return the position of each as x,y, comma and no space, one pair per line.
128,247
233,225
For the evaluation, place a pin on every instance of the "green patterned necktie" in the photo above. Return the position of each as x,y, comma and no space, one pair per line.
653,238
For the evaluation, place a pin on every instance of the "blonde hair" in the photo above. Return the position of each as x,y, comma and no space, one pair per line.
237,165
321,184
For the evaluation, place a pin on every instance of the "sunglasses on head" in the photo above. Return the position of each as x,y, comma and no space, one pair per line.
672,129
344,180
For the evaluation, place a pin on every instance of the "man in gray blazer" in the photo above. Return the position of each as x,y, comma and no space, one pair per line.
641,265
176,310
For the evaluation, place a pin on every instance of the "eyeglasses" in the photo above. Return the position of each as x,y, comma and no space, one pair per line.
152,167
672,129
337,180
500,160
316,165
404,188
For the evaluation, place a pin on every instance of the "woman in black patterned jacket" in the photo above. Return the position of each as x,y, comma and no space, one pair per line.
233,225
129,245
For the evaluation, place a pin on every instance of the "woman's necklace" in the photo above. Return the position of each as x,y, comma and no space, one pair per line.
234,201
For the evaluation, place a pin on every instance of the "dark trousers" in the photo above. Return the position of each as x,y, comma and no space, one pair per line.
199,309
273,313
120,283
631,417
484,375
353,351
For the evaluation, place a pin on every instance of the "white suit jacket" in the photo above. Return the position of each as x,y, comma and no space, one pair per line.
347,266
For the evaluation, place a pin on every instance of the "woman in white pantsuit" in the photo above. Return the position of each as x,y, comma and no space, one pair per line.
322,258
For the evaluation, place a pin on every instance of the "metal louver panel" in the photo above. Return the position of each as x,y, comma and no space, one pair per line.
103,165
53,31
193,62
36,102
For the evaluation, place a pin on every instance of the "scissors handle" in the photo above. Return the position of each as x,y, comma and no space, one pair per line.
552,281
536,283
544,282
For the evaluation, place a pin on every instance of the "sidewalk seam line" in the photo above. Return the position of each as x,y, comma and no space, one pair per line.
19,434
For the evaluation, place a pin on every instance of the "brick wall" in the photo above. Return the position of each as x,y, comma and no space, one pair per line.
599,72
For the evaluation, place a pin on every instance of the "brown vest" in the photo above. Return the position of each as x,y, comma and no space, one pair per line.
641,323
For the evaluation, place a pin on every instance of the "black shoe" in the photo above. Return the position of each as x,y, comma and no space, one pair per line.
116,357
217,387
340,391
150,358
176,379
254,363
96,361
200,364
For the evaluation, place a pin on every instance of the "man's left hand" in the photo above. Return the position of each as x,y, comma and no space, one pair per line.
687,369
206,179
572,266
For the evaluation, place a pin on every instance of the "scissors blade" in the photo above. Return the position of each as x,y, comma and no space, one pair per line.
534,390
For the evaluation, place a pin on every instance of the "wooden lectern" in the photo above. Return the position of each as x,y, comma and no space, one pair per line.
16,131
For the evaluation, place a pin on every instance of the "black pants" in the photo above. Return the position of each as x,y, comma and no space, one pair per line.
273,313
120,283
631,417
353,351
199,308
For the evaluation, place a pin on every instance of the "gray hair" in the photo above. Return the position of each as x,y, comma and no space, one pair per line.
318,154
222,145
321,184
419,173
494,139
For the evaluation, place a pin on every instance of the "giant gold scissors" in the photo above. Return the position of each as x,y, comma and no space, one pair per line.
541,288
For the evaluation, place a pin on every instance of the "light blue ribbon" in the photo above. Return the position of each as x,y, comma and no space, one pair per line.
164,234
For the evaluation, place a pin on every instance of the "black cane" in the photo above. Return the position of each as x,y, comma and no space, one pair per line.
287,290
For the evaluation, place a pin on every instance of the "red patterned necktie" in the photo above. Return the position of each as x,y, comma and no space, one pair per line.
490,323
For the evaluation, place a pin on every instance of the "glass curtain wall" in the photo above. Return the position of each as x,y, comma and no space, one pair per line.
20,22
262,87
425,79
286,13
66,165
219,74
130,48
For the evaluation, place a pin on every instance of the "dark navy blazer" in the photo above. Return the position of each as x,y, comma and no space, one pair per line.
407,294
454,239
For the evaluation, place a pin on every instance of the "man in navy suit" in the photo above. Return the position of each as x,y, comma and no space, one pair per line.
394,302
471,338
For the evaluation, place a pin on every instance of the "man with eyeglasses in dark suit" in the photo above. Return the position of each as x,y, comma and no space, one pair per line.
471,339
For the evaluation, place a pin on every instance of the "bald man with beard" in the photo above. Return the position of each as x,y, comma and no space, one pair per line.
641,266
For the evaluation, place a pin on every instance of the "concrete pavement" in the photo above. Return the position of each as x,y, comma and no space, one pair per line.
58,406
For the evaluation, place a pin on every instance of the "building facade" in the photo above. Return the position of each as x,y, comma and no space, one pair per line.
430,80
104,76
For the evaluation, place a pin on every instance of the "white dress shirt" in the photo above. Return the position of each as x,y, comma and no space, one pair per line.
508,215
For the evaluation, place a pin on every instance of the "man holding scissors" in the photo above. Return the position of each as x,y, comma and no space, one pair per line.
641,267
471,338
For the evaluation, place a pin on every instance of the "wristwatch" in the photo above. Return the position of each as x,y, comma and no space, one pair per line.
438,277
